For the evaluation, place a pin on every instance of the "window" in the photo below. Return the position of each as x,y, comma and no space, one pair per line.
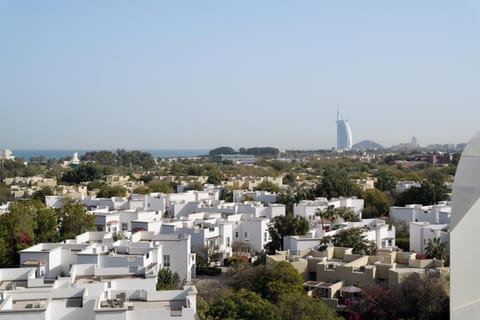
228,241
124,226
166,261
236,234
246,235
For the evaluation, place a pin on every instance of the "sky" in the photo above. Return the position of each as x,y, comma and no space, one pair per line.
202,74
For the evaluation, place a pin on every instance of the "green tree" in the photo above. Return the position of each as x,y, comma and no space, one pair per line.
386,180
160,186
112,191
423,297
13,168
96,184
46,224
267,186
102,157
227,194
290,179
288,199
330,213
348,215
40,194
215,177
195,185
335,184
4,193
288,225
270,281
135,158
167,280
142,190
281,166
73,220
355,239
243,304
456,158
436,249
427,194
203,308
298,306
377,204
17,228
6,259
84,173
276,279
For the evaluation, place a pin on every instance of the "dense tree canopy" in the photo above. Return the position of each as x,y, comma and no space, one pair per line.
17,229
215,176
25,224
335,184
243,304
74,220
40,194
436,249
427,194
86,172
104,157
288,225
386,180
167,280
352,238
294,306
121,158
4,193
112,191
423,297
160,186
17,168
267,186
377,204
272,291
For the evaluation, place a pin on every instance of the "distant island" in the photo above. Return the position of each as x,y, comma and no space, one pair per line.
255,151
367,145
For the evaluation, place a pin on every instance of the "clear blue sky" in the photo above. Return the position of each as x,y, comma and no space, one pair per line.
201,74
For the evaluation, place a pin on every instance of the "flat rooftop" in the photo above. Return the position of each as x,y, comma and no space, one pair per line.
115,304
29,305
13,284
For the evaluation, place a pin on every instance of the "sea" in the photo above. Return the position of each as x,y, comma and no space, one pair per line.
156,153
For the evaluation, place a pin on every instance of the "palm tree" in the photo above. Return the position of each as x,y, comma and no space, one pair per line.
330,213
348,215
319,212
436,249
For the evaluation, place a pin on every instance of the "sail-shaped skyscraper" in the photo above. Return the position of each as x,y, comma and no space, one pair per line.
344,133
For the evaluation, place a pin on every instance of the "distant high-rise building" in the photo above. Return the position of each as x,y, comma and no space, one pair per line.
414,141
344,133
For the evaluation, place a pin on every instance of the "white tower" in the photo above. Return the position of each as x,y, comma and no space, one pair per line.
344,133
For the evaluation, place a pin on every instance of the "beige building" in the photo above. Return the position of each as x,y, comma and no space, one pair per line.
336,273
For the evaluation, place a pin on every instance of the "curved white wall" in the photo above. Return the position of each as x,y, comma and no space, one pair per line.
465,231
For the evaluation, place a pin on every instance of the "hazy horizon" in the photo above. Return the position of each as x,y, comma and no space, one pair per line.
198,75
